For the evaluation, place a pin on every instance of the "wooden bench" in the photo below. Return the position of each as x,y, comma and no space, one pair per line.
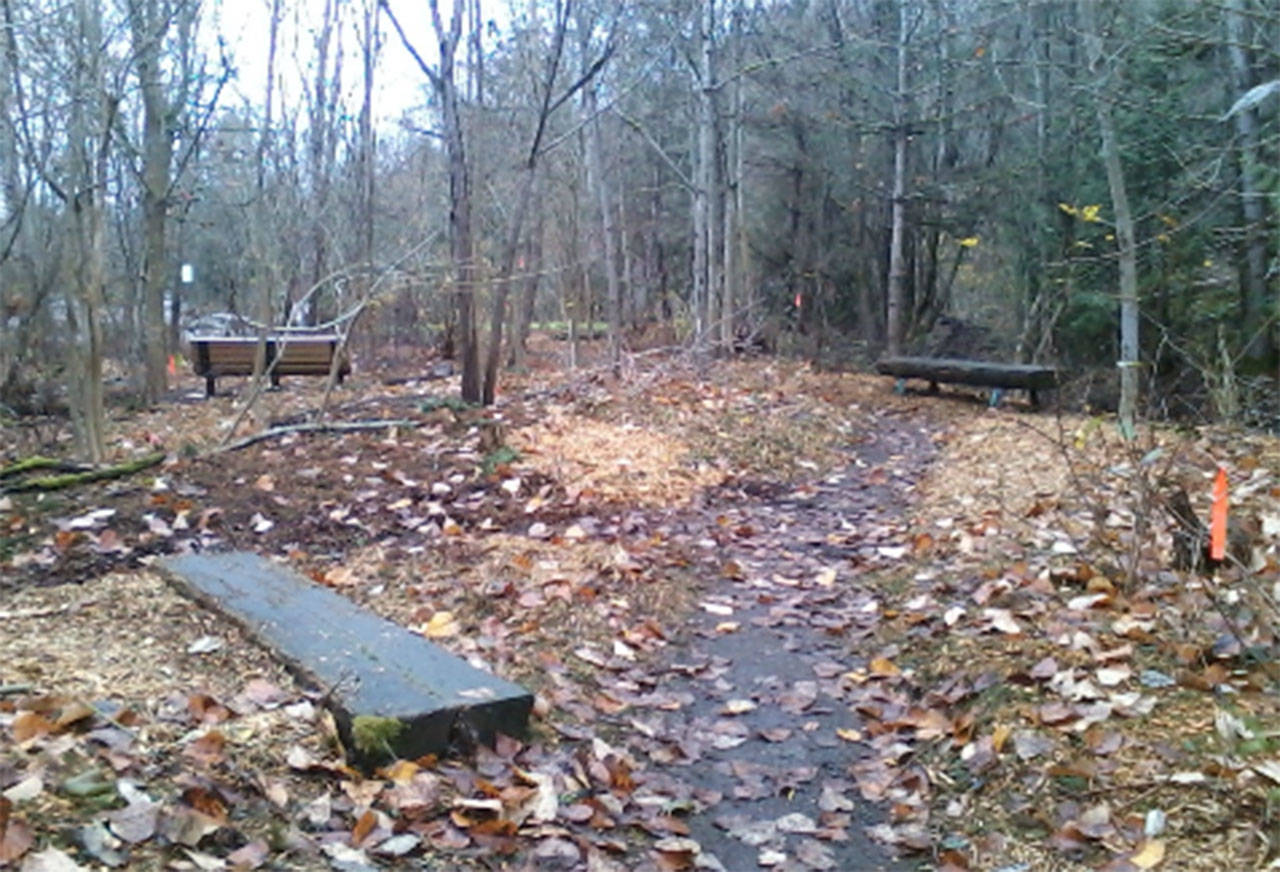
392,692
981,373
214,356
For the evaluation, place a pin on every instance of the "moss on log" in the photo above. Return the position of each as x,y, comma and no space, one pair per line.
82,475
31,464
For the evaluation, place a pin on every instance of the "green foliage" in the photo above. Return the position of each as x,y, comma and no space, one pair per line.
452,403
374,736
500,456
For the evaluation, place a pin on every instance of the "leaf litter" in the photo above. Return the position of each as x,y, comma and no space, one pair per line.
743,656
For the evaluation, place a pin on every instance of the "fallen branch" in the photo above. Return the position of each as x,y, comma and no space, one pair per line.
15,689
84,476
34,463
46,611
346,427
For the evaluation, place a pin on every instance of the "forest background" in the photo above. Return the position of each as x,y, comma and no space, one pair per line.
1071,182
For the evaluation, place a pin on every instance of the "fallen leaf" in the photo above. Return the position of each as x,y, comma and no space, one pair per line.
1149,855
134,823
883,667
15,836
50,860
441,625
205,645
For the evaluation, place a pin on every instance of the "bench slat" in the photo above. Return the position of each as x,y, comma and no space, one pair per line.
215,356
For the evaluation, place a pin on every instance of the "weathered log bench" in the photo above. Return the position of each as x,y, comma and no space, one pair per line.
392,692
214,356
980,373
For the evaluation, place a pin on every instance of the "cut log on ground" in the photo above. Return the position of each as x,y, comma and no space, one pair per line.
1031,378
392,692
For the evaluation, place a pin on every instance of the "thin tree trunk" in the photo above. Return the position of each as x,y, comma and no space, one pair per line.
1252,197
91,122
532,267
149,22
702,177
1128,259
897,292
597,182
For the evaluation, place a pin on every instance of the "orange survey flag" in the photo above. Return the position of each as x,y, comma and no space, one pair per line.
173,369
1218,518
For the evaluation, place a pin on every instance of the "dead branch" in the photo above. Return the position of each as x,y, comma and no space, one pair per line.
85,476
18,614
343,427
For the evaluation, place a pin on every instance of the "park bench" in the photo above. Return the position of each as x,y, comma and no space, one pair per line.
980,373
214,356
392,692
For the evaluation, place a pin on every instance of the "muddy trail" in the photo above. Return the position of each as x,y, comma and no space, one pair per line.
760,722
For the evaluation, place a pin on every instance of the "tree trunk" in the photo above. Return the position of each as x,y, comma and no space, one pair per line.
92,115
1256,303
461,243
897,291
532,267
597,182
149,23
702,254
1127,247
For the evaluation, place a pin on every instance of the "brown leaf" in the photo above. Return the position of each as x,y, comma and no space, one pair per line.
207,710
676,854
207,802
30,725
15,836
208,749
365,825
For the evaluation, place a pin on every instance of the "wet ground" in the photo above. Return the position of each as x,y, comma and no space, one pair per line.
765,734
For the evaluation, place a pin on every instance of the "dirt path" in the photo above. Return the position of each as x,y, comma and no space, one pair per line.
765,733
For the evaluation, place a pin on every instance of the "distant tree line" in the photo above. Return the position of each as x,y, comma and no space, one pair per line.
1093,181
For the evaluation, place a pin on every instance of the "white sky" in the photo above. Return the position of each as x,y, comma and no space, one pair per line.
399,84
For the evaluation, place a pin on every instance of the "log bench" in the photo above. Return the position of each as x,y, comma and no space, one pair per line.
214,356
980,373
392,692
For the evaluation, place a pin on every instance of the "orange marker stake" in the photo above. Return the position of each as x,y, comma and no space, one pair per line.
1218,518
173,368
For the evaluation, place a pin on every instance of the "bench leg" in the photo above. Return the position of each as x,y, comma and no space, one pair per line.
996,395
1034,399
208,386
933,387
275,379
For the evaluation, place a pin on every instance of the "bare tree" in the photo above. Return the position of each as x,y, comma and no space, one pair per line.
150,23
597,180
548,103
462,244
897,308
1252,195
91,118
1125,238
